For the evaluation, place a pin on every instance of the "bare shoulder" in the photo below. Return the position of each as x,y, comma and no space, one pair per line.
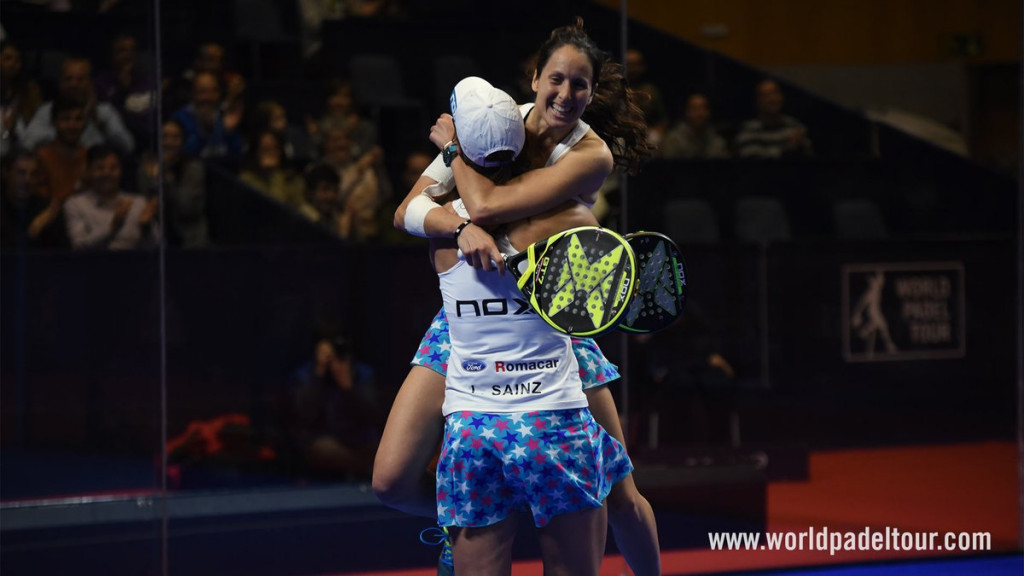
595,148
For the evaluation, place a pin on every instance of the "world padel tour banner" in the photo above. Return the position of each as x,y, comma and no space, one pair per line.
903,311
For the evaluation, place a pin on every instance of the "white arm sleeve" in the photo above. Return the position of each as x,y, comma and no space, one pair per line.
416,211
441,174
416,214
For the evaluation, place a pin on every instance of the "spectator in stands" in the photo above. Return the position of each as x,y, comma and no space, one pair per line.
20,97
27,220
323,188
654,107
360,188
210,57
184,179
335,414
340,111
211,125
416,161
128,85
103,123
104,217
683,366
298,145
695,136
62,160
265,170
772,134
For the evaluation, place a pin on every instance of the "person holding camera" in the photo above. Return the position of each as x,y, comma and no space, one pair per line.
332,399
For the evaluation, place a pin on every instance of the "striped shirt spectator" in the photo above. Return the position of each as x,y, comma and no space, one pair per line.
772,134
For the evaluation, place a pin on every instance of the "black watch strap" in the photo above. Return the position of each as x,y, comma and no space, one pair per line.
449,152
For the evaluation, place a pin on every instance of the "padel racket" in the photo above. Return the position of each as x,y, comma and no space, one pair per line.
661,283
579,281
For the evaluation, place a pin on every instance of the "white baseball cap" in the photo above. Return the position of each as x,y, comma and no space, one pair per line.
487,121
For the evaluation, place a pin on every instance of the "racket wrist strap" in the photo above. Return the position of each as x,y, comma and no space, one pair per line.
460,228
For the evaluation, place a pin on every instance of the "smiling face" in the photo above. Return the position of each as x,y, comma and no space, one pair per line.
105,175
564,86
24,177
325,197
269,151
173,138
69,125
697,111
206,97
337,147
769,98
123,52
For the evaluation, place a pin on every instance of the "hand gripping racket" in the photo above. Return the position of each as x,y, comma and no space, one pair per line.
661,283
580,281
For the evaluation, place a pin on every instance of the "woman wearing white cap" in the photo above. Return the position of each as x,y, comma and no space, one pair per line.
519,437
568,162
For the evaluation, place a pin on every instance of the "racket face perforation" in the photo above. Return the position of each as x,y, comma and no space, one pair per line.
661,283
584,281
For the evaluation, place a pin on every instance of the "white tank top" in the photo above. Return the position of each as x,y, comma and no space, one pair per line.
504,358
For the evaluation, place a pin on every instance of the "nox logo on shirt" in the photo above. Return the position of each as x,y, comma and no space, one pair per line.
491,307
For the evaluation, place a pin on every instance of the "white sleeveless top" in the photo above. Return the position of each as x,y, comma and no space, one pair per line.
504,358
445,178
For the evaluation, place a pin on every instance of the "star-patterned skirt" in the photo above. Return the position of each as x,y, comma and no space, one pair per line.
595,369
549,463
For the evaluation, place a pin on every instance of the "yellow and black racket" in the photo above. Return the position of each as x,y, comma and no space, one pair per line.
661,283
580,281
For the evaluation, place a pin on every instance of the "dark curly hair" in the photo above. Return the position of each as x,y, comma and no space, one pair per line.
614,112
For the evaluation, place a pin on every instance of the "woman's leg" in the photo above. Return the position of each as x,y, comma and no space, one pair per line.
629,513
485,551
573,544
411,437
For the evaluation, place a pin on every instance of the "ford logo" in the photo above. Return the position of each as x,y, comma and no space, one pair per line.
473,366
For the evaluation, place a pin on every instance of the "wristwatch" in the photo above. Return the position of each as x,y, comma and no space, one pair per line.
450,151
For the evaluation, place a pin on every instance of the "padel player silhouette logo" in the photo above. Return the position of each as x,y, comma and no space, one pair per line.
903,311
868,320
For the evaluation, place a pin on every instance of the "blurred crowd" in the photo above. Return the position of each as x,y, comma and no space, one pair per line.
87,167
80,162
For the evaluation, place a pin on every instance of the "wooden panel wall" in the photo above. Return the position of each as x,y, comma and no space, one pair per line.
840,32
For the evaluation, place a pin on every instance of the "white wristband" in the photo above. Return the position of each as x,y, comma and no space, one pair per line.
416,214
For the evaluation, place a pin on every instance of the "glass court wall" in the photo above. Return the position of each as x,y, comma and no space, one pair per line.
198,360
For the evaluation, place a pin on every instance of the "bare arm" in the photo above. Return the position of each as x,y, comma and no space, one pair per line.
477,245
438,224
581,171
